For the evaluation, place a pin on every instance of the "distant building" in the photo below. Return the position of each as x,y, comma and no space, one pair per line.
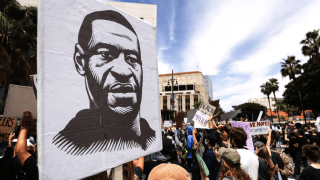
28,3
208,86
190,88
264,101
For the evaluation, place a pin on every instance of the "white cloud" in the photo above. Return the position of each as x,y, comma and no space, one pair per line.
172,24
224,28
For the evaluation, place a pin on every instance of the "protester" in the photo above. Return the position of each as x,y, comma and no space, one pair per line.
209,157
249,161
28,162
300,142
311,152
7,155
314,139
231,166
189,147
266,166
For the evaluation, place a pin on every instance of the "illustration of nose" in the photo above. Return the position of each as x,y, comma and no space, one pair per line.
121,70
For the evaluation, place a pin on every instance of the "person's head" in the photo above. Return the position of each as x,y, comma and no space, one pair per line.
311,152
231,165
224,136
238,137
211,140
108,56
292,133
314,130
301,132
168,171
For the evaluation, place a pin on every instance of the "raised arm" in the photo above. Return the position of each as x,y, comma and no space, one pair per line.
21,146
10,139
269,142
195,142
286,134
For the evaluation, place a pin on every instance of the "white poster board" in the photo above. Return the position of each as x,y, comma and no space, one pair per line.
167,124
261,127
201,118
318,123
98,88
260,115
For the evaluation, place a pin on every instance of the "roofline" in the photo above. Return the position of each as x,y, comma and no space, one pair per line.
191,72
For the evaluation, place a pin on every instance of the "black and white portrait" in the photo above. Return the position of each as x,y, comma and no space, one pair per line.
108,56
98,90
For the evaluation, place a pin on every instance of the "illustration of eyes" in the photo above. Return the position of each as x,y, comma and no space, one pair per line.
131,58
107,54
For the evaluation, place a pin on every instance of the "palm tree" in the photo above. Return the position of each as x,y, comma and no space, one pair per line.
292,67
311,45
18,43
266,90
274,87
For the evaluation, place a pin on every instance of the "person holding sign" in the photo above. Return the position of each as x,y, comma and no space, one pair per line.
108,56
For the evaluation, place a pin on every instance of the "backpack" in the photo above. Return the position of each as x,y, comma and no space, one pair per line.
288,169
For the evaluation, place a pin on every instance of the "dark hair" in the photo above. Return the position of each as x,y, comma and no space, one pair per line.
237,172
239,136
292,133
85,31
264,154
301,132
311,152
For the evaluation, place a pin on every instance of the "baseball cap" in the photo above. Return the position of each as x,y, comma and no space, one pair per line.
229,155
169,171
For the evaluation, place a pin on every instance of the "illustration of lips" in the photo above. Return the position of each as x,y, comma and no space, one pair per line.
121,88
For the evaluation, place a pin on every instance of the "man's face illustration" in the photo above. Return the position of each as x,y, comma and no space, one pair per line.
114,68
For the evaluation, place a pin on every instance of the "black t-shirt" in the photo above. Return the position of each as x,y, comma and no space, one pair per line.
292,149
314,138
30,168
301,141
276,159
263,170
310,173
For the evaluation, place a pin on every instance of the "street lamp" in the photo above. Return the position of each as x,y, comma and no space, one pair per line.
172,84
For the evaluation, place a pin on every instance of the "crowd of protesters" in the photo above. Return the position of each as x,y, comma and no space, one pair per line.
222,147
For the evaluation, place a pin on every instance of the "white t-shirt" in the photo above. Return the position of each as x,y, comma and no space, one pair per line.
249,163
318,123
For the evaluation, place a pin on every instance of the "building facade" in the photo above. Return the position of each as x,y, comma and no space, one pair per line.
264,101
208,86
188,88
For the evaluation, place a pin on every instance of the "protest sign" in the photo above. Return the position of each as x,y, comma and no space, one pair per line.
7,125
185,120
167,124
191,114
201,118
199,126
34,82
229,115
98,89
246,127
200,149
318,123
20,99
203,165
260,115
206,109
261,127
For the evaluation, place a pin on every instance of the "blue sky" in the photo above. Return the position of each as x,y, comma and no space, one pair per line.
240,44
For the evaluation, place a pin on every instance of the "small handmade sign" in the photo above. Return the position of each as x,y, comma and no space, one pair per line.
7,125
167,124
201,118
206,109
246,127
261,127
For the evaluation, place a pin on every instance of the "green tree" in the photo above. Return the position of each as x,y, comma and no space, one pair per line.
311,46
18,43
274,87
249,108
292,67
310,86
196,104
266,90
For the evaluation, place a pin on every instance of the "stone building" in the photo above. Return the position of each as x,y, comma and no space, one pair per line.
188,88
264,101
208,85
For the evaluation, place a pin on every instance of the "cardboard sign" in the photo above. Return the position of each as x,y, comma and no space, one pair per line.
98,89
206,109
261,127
201,118
191,114
32,129
167,124
199,126
200,149
246,127
7,125
20,99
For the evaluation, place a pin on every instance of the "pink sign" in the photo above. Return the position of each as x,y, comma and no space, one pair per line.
246,127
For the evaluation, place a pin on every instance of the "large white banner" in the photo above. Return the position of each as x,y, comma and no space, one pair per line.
98,82
260,127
